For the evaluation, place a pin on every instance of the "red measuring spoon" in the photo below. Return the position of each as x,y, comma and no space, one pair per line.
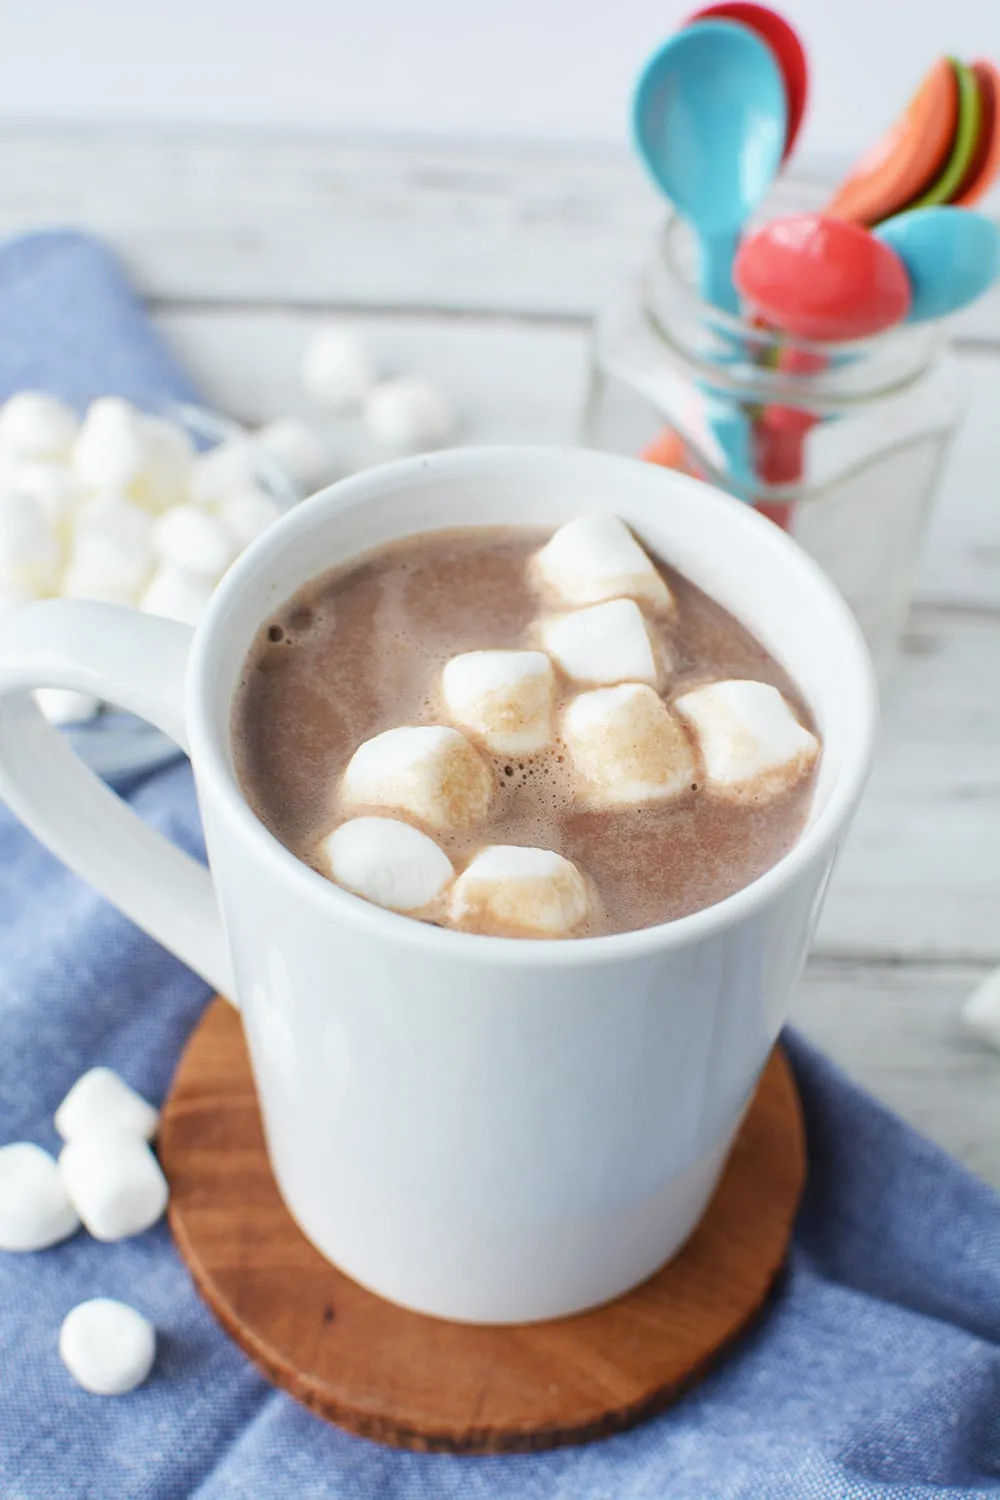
783,40
985,164
821,278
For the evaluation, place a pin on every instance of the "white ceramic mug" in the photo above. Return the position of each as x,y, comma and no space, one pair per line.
485,1129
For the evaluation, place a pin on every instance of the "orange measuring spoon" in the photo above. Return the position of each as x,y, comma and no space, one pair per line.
908,158
985,165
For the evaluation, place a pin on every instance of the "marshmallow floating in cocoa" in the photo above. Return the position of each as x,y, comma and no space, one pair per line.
387,862
596,558
504,698
752,746
604,644
626,747
512,891
428,771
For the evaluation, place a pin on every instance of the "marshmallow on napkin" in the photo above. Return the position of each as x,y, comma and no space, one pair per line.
35,1210
114,1182
107,1346
604,644
387,862
101,1100
627,747
752,746
596,558
504,698
429,771
511,891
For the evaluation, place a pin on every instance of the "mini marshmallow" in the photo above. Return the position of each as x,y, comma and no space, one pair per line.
101,1100
34,424
185,537
177,595
627,747
247,514
52,485
29,553
224,470
981,1012
604,644
112,553
511,891
107,1346
597,558
387,862
114,1182
110,452
298,448
429,771
408,413
504,698
168,460
64,706
337,369
752,746
35,1210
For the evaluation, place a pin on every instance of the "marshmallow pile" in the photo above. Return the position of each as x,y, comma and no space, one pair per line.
596,684
108,1179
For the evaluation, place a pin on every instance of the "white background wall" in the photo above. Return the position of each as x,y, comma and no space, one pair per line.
551,69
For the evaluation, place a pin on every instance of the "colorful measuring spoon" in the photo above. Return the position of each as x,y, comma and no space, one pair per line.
910,156
709,121
951,257
784,42
985,164
817,277
963,146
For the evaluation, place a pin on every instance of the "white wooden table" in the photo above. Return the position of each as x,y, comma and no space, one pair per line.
482,268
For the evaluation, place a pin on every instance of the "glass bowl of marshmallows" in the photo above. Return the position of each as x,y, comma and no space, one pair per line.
146,508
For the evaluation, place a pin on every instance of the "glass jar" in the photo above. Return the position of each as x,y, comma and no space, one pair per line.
841,444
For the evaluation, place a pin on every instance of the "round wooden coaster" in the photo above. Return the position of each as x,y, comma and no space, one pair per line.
422,1383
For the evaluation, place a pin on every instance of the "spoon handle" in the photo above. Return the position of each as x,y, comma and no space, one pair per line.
715,272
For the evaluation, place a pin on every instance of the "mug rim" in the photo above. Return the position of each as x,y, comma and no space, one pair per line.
213,768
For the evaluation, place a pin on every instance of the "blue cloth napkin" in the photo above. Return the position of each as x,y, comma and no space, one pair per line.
874,1375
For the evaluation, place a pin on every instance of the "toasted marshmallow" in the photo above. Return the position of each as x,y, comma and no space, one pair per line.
429,771
387,862
408,413
752,746
337,369
185,537
34,424
604,644
504,698
107,1346
247,514
626,747
511,891
29,552
177,595
597,558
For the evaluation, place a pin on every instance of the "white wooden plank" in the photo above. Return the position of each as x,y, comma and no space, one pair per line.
524,383
897,1032
279,218
920,874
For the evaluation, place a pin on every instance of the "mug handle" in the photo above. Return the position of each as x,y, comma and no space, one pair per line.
137,662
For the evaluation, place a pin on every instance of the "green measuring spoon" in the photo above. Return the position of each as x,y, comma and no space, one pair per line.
970,120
